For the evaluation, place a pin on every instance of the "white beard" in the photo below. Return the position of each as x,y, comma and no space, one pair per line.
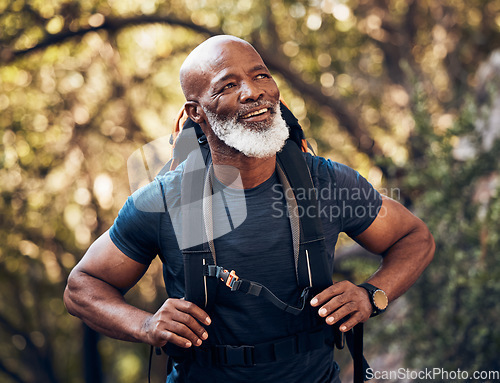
253,139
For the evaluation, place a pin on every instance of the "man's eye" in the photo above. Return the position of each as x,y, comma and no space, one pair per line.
228,86
262,75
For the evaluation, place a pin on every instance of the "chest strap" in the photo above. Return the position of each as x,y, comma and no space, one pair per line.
235,283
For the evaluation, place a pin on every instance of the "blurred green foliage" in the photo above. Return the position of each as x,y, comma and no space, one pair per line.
387,86
454,303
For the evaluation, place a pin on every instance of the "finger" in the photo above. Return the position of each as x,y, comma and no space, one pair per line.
333,304
170,337
191,323
326,295
185,332
351,322
193,310
340,313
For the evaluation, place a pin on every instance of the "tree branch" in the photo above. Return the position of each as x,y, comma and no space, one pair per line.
339,109
109,25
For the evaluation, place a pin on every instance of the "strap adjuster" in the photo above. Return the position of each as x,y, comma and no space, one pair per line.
228,277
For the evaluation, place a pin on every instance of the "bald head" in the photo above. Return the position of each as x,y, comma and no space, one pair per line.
199,63
232,95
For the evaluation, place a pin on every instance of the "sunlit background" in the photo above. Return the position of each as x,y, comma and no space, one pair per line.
407,92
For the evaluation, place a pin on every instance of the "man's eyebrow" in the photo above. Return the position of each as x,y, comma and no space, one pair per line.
228,76
259,67
224,78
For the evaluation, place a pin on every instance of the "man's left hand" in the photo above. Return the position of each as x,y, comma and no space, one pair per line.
343,299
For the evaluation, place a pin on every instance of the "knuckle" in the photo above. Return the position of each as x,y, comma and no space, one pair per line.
156,327
344,284
169,302
189,321
341,299
193,324
353,319
168,336
168,305
162,318
351,306
162,314
182,317
178,328
195,339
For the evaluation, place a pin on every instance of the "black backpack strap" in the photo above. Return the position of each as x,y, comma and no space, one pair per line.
354,340
313,267
194,242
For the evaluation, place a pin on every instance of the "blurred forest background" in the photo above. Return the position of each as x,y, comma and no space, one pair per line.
405,91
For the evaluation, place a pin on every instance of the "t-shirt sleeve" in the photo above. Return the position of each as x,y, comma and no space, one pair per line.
353,200
136,229
358,199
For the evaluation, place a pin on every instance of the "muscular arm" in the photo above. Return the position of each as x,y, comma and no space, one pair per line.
95,292
405,243
407,247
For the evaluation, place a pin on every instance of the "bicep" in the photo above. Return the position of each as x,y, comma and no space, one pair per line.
392,223
104,261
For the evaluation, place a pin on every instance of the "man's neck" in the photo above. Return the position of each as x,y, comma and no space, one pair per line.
253,171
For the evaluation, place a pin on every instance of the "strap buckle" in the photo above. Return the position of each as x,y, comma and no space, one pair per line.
228,277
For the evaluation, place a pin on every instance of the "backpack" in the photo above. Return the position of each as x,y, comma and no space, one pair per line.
201,272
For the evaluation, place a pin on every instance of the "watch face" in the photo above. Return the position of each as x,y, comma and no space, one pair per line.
380,299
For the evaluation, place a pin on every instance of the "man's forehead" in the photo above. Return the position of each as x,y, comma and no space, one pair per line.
231,53
217,57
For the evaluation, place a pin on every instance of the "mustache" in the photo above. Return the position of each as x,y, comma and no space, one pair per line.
258,104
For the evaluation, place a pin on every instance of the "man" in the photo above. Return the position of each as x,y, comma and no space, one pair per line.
232,96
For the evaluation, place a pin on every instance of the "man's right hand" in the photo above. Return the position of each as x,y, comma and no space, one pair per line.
95,293
177,322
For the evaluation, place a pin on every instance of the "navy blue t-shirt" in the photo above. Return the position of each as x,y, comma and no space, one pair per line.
259,248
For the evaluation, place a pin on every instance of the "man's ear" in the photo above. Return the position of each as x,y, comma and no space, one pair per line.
195,112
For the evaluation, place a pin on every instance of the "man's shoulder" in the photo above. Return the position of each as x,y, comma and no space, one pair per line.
326,168
163,191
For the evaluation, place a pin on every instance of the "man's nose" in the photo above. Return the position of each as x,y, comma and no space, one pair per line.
250,92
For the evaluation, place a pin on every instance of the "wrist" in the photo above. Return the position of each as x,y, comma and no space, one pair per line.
145,333
377,297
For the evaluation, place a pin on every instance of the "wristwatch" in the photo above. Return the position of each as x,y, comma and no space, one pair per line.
378,298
